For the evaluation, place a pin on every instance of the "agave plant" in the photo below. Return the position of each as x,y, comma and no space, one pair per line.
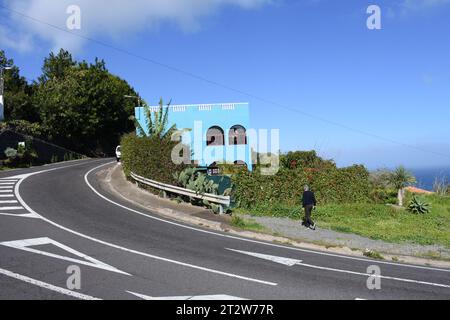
419,206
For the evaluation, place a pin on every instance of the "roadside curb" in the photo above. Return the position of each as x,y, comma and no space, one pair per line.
121,187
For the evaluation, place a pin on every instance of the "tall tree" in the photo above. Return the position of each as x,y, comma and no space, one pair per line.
56,65
17,93
83,105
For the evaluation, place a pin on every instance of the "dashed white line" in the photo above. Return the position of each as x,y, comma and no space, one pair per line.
8,201
47,286
11,208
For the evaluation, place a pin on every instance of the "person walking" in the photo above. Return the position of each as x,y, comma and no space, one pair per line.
309,203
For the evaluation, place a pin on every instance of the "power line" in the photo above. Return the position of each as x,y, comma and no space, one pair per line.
226,87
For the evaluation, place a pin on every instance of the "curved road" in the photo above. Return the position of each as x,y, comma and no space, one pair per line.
63,237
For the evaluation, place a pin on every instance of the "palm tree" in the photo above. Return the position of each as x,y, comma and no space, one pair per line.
400,178
157,124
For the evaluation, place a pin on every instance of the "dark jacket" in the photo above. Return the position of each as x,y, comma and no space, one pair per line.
309,199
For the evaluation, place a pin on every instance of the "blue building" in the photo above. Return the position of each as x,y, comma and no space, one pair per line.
217,133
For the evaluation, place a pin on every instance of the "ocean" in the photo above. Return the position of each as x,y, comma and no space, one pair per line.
426,177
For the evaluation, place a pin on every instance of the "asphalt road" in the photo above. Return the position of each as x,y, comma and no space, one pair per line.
57,217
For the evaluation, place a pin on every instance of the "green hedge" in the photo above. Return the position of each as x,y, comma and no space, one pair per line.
331,185
149,157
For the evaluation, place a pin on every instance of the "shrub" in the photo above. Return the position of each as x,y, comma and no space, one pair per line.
304,159
150,157
11,153
331,185
22,157
383,196
418,206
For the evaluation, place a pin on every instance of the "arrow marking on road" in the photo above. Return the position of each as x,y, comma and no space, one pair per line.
285,261
45,285
25,244
207,297
292,262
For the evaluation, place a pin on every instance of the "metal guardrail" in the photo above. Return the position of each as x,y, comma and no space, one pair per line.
222,201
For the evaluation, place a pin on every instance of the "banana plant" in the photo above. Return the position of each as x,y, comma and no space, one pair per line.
156,122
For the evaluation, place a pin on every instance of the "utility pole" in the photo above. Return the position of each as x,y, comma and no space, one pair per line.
2,82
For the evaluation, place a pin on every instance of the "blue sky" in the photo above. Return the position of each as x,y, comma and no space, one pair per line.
313,56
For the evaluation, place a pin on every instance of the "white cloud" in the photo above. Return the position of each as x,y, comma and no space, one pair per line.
17,41
114,19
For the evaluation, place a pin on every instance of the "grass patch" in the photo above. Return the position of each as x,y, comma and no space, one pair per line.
246,224
376,221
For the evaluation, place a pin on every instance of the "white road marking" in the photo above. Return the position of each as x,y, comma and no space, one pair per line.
360,299
6,191
207,297
375,276
293,262
8,201
23,177
25,244
24,215
7,183
11,208
249,240
112,245
46,285
285,261
6,195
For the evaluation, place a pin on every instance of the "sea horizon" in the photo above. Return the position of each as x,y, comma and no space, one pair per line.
426,177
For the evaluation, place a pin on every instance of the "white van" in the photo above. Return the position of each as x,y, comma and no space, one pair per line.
118,153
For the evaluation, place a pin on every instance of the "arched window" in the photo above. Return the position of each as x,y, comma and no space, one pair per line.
215,136
237,135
